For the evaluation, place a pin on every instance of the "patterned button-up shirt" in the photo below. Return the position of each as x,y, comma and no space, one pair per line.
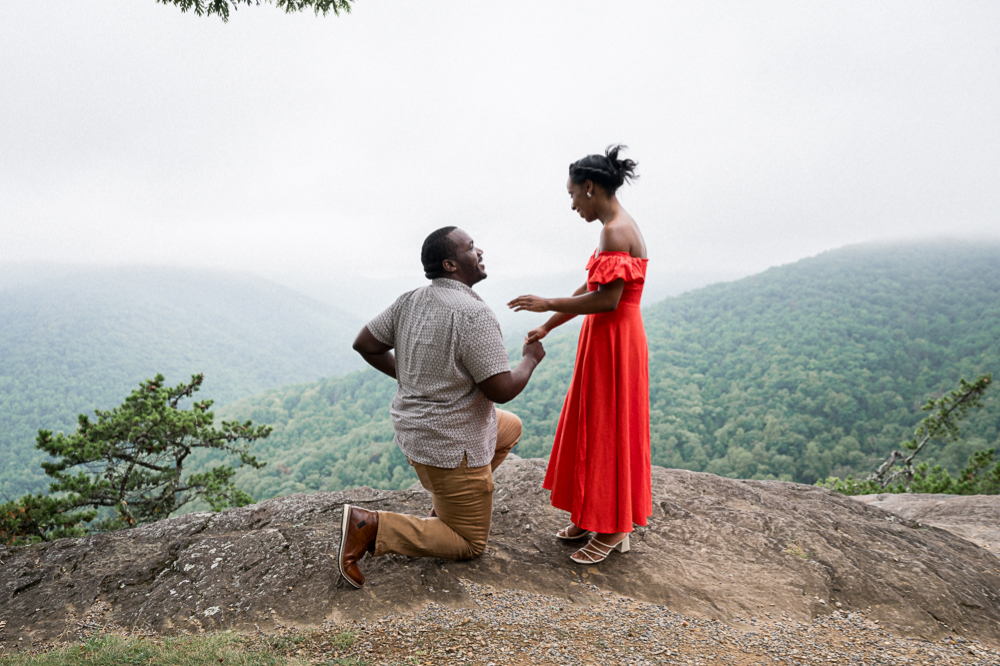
447,340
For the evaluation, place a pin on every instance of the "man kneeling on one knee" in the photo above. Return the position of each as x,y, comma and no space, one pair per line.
451,366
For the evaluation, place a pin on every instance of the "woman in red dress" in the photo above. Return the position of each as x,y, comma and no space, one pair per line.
599,470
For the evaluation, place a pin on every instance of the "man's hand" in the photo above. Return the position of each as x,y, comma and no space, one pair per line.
508,385
534,335
530,304
533,350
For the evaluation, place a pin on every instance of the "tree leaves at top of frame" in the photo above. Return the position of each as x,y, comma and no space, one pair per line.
221,8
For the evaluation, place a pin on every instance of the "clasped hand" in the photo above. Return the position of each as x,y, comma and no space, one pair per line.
533,349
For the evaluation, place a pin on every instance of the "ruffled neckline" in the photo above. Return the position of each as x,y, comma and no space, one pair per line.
597,254
605,267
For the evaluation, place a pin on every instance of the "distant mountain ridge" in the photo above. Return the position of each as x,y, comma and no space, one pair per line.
498,290
815,368
84,338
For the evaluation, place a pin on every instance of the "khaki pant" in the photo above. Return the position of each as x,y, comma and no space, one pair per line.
463,501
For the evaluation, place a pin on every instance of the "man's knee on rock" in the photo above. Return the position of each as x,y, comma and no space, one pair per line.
476,549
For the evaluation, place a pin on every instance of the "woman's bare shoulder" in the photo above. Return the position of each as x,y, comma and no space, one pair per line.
614,239
622,236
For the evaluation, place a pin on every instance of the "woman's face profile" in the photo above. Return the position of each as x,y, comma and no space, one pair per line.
583,205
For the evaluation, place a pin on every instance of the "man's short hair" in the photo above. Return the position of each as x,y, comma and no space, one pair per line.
437,247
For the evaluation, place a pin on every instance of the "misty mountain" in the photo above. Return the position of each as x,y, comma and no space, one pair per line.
74,339
496,291
815,368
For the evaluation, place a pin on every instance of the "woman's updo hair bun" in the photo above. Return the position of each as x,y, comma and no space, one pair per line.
605,170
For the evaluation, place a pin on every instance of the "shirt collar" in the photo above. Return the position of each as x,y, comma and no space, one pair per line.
448,283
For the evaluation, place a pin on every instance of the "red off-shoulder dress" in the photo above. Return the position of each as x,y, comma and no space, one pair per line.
599,470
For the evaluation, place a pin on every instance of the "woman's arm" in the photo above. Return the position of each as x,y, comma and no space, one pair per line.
605,299
554,321
582,302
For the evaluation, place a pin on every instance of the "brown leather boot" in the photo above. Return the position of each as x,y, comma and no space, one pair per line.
357,537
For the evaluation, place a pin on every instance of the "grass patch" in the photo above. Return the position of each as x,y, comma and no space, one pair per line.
286,643
342,641
216,649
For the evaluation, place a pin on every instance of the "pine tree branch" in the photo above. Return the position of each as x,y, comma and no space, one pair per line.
221,8
942,424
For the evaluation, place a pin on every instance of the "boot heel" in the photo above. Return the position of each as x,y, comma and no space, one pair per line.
622,546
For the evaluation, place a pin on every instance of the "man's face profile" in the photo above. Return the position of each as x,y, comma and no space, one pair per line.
466,266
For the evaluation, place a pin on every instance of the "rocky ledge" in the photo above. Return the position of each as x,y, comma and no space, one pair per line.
715,548
974,517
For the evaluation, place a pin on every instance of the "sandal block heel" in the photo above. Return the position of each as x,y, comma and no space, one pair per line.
594,554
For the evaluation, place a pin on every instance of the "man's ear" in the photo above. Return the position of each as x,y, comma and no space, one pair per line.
449,265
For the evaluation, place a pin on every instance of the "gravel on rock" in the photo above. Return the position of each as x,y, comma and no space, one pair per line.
504,627
509,627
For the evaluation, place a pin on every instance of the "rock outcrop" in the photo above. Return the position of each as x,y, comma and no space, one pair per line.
715,547
974,517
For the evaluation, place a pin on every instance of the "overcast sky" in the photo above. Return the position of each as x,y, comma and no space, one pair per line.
301,145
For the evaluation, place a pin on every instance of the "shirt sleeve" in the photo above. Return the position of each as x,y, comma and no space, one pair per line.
383,325
481,349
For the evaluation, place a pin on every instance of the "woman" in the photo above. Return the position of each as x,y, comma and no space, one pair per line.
599,470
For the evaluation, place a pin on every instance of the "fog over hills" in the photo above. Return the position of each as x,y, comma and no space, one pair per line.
368,296
76,338
73,339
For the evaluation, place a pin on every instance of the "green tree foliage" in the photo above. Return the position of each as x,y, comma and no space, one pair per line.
129,462
221,7
328,435
74,342
898,474
942,425
980,476
40,517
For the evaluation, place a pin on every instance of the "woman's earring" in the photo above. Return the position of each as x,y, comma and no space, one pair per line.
588,195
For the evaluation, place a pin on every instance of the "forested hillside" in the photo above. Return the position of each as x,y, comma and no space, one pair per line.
805,370
328,435
815,368
74,340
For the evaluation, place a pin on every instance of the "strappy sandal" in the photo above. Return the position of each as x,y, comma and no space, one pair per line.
594,554
565,536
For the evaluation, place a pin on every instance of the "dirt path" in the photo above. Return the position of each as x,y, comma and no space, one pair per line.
511,628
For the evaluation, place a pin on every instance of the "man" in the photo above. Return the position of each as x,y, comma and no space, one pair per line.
451,367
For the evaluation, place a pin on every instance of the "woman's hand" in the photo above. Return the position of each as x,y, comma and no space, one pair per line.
535,334
530,304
